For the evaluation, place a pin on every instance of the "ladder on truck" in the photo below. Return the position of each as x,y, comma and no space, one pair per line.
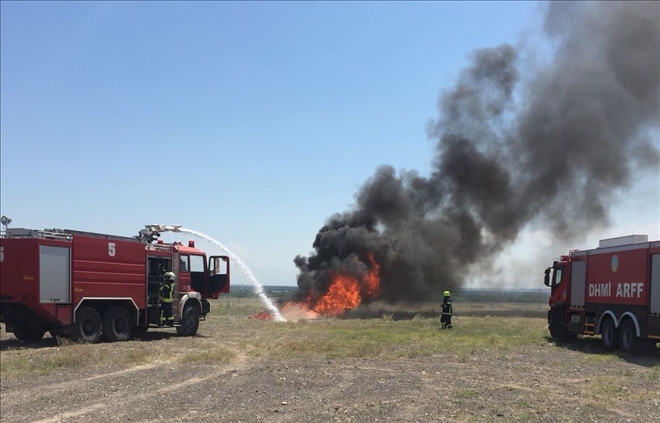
54,234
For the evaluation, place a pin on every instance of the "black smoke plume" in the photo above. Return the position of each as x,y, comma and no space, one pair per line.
519,142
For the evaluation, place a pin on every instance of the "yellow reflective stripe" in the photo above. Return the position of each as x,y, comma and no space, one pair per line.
171,293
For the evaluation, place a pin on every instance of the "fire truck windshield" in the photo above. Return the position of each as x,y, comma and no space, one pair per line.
196,263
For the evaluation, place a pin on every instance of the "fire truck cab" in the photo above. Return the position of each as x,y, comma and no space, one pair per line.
90,286
612,291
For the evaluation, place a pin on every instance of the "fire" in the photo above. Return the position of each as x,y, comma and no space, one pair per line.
345,292
262,315
296,311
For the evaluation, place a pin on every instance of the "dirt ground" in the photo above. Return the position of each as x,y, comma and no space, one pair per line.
535,383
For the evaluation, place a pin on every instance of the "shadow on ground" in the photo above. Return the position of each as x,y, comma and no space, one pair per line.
50,342
594,346
15,344
390,314
432,314
157,335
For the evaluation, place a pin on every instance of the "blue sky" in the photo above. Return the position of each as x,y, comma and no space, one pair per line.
249,121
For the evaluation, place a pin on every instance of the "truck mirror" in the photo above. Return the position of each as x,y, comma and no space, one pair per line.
547,277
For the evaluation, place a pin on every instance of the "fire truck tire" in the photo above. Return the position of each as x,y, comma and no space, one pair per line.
28,333
88,326
609,335
558,331
628,340
189,322
117,324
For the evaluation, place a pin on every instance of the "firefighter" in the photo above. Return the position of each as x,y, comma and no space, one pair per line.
166,298
445,320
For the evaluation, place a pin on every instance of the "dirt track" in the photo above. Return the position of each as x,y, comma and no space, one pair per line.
540,384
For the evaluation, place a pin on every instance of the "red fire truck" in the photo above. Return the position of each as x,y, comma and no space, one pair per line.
612,291
90,286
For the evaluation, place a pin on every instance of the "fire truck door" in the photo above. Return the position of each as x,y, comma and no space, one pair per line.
218,275
54,274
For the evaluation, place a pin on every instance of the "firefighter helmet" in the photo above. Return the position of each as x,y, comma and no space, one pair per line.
169,276
446,294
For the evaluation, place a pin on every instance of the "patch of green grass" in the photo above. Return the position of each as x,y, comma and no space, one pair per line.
36,362
601,358
17,366
653,374
468,393
527,417
379,337
625,372
211,356
235,307
136,356
606,388
70,356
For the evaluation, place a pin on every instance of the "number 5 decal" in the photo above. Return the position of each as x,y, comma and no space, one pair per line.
111,249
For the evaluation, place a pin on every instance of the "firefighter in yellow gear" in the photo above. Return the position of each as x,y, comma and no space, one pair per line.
447,311
166,297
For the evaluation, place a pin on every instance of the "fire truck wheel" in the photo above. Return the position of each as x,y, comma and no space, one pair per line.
558,331
28,333
117,324
609,335
189,322
88,325
628,340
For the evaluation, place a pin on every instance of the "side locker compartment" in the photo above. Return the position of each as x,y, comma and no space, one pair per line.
654,300
55,281
578,286
578,278
54,274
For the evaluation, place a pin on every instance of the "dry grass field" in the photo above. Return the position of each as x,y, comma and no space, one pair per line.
378,364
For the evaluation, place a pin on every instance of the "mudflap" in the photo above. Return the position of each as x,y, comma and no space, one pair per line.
206,307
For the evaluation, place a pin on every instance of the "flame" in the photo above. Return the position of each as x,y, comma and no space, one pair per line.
344,293
262,315
296,311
